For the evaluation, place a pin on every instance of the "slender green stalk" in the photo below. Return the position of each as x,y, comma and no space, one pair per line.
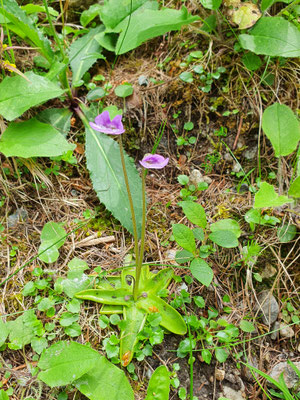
142,246
57,40
9,40
63,76
135,234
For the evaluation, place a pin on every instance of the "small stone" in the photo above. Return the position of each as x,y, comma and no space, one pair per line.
298,348
196,177
289,375
268,271
251,153
244,188
19,215
268,306
207,179
232,394
247,371
143,80
170,254
228,157
220,374
236,167
286,331
275,329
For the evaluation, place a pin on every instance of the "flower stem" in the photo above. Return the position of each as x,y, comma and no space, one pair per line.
142,246
135,234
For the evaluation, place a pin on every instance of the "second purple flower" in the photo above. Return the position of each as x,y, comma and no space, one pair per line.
104,124
154,161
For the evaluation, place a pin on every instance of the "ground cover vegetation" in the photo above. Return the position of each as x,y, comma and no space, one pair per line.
149,204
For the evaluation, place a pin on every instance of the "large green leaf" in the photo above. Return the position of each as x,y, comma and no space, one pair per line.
18,94
267,197
282,128
84,52
105,381
273,36
33,139
64,362
223,238
149,24
137,23
104,164
227,224
294,190
184,237
114,296
59,118
134,323
159,384
3,332
202,271
23,26
194,212
115,11
171,319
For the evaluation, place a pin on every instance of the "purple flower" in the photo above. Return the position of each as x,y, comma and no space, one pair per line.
104,124
154,161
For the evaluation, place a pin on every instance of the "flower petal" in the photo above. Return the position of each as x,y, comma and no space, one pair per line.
104,124
154,161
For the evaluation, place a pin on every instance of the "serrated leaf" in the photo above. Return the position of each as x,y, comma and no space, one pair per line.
184,237
202,271
194,213
273,37
104,381
159,384
267,197
18,94
282,128
104,164
84,52
23,26
33,139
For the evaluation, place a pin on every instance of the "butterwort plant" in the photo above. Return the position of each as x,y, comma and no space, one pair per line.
136,292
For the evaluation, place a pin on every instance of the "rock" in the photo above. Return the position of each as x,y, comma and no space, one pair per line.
244,188
228,157
268,306
143,80
170,254
236,167
247,371
232,394
196,177
220,374
251,153
289,375
298,348
286,331
19,215
275,328
268,271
